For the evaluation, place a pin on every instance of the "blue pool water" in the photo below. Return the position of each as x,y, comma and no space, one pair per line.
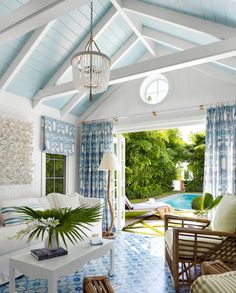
180,201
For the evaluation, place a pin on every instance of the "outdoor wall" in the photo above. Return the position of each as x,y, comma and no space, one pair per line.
188,90
17,107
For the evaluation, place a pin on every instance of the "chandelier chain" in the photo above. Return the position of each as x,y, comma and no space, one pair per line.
91,21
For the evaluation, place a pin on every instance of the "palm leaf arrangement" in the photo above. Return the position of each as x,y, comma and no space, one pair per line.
61,223
203,204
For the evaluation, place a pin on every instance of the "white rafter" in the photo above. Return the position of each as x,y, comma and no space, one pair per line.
32,15
64,89
24,55
114,60
181,44
184,20
183,59
134,24
66,66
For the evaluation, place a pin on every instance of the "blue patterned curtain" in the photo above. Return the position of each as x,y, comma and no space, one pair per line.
96,139
58,136
220,156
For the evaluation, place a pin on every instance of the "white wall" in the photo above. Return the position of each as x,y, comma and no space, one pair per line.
18,107
188,90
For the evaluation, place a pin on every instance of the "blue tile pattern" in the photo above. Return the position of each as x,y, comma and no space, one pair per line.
139,268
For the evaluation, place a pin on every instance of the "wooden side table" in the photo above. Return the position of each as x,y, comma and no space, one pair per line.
214,267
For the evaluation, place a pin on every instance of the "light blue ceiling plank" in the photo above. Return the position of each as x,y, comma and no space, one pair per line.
10,51
58,103
4,10
133,55
59,39
230,11
83,106
76,22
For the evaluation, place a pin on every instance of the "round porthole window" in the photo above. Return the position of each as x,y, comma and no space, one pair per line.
154,89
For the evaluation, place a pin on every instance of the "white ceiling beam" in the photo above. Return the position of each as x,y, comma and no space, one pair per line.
24,55
98,29
134,24
114,60
181,44
64,89
192,23
32,15
183,59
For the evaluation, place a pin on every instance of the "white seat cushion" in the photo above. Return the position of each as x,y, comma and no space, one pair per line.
185,247
225,216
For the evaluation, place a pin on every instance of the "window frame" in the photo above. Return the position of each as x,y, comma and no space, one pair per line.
44,174
147,82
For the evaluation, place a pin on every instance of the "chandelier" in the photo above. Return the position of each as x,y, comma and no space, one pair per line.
91,68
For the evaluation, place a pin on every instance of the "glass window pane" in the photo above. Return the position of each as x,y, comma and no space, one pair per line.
49,168
49,186
152,87
59,186
162,86
59,168
59,157
50,156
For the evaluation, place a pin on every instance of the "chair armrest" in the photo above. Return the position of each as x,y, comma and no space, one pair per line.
199,243
172,221
90,201
184,231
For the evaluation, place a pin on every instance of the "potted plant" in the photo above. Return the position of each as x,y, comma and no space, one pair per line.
203,204
58,223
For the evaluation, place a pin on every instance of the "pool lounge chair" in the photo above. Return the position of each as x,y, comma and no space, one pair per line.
150,205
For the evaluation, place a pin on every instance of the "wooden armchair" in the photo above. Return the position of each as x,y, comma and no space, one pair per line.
189,242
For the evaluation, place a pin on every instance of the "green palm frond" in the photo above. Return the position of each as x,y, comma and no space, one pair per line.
72,222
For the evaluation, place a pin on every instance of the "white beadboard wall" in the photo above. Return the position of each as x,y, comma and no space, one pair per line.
18,107
188,88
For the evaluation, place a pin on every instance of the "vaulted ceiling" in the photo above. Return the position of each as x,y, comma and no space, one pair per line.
38,38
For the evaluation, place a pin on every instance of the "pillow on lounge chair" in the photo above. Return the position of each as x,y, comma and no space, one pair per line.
225,216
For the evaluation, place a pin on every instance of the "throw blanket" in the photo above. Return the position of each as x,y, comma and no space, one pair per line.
215,283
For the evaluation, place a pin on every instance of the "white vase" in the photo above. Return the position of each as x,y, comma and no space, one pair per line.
53,245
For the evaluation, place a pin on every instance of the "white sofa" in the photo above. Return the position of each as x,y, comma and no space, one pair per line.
9,247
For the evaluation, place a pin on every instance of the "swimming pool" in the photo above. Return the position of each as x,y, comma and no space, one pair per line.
180,201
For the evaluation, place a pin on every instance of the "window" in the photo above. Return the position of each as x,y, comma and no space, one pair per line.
55,173
154,89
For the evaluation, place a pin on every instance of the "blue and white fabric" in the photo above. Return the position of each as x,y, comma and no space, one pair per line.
220,155
96,139
58,137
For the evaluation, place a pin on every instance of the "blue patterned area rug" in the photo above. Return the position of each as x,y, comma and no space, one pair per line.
139,268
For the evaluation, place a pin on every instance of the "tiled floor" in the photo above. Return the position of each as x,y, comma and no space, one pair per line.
139,268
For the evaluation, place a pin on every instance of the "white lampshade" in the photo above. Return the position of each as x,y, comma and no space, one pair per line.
109,162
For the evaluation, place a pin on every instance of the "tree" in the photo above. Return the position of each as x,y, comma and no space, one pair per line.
151,159
195,158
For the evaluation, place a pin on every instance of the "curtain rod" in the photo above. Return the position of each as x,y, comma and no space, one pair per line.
157,113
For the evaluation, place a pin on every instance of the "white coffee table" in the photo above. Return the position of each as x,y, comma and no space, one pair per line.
52,269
